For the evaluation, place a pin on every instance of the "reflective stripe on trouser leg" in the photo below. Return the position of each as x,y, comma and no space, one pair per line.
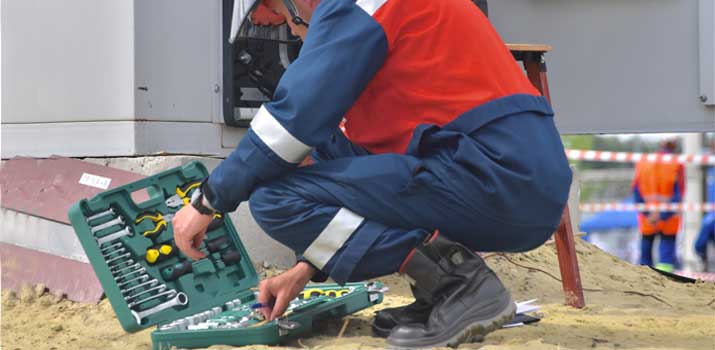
277,138
338,230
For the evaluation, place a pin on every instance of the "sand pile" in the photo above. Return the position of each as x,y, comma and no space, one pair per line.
628,307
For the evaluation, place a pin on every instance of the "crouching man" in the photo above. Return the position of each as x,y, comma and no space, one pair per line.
428,142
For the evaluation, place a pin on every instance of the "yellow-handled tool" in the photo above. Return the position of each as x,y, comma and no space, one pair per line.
315,292
161,221
159,253
182,196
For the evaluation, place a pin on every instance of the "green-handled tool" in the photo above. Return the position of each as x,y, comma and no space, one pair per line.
171,273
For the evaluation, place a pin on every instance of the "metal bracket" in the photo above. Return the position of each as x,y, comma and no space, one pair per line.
707,51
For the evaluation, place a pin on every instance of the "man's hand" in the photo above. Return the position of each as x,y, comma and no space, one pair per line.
189,230
275,293
654,217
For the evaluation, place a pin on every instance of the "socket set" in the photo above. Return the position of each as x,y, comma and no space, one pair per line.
149,282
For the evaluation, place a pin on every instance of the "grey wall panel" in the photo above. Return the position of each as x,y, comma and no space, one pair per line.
177,59
71,139
67,60
617,65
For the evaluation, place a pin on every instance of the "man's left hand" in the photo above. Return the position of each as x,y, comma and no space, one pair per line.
275,293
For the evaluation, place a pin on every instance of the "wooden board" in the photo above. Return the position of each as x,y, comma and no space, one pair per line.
529,47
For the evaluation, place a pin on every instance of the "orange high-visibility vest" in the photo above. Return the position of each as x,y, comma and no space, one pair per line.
658,183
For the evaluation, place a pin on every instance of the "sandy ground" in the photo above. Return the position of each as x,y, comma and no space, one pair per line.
628,307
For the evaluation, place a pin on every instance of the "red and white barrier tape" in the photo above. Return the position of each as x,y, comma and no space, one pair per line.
691,207
631,157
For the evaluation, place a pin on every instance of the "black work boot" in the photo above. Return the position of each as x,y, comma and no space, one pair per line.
417,312
468,299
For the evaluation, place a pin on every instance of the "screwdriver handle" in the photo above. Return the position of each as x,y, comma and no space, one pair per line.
215,244
177,270
231,257
216,222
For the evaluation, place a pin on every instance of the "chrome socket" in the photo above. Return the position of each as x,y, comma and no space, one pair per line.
113,236
108,212
117,221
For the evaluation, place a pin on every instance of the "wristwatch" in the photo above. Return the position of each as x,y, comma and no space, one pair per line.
200,203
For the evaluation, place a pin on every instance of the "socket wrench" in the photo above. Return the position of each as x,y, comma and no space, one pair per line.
169,293
111,247
160,288
131,272
179,299
126,270
147,283
111,252
118,257
119,266
110,223
112,236
110,211
140,278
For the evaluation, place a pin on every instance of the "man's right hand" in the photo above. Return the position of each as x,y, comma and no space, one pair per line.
189,230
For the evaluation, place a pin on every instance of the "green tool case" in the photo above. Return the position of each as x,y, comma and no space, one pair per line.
193,303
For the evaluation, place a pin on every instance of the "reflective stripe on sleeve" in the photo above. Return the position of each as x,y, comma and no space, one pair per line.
277,138
333,237
370,6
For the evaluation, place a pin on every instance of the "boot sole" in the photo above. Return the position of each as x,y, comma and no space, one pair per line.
381,332
473,330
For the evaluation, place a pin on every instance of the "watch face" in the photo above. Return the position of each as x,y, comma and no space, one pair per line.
196,196
197,201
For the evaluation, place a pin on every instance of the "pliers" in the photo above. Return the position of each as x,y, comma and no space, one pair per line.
182,197
161,221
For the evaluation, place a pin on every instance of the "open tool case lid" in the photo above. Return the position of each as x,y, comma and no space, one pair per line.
211,283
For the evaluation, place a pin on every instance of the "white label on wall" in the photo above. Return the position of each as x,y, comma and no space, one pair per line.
95,181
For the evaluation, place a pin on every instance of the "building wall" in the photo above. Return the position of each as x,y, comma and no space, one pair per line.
178,60
149,71
67,61
617,65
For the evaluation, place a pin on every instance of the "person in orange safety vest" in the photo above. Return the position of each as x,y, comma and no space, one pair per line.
656,183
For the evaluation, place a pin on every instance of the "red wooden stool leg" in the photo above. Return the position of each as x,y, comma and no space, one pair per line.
565,246
568,263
